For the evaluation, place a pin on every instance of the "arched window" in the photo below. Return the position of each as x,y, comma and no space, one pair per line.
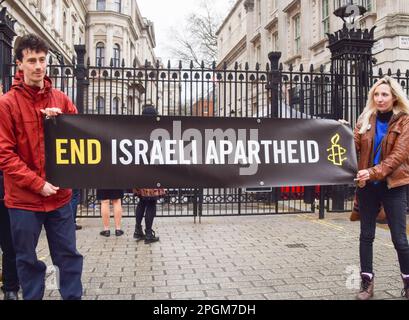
117,5
100,54
100,105
117,56
100,5
115,105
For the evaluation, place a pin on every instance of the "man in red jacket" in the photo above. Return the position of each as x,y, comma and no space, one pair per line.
32,201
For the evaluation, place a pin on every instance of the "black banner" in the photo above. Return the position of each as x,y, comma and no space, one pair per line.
121,152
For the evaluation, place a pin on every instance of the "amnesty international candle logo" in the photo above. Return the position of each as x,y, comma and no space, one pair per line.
337,152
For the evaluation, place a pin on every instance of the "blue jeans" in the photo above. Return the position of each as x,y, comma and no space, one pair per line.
10,278
60,230
394,202
75,199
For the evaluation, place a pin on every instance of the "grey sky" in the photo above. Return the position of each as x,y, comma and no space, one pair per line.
166,14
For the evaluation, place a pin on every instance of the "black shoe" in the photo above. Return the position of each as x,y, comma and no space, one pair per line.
105,233
11,295
150,236
119,233
138,234
78,227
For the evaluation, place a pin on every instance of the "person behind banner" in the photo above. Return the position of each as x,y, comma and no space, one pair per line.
147,201
381,140
34,202
106,196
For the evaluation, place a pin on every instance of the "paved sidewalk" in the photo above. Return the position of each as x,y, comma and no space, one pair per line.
233,258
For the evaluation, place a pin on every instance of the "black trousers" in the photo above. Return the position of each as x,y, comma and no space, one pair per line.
147,207
394,202
10,278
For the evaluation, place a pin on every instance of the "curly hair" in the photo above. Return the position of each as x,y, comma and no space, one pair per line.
30,42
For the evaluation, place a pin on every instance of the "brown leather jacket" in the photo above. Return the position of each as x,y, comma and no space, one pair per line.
394,166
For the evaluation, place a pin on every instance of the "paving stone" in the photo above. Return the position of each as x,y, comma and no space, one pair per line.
239,258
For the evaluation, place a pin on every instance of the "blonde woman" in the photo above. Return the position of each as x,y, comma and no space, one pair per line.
382,143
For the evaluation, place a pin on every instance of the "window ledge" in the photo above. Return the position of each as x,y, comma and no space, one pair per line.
319,45
292,59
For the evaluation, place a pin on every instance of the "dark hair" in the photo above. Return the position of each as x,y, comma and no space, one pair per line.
31,42
149,110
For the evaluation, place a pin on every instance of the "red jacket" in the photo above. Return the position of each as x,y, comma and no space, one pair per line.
22,150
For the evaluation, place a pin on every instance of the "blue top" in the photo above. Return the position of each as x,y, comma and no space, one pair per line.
382,125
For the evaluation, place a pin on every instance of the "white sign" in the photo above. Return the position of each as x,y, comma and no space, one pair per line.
378,46
404,42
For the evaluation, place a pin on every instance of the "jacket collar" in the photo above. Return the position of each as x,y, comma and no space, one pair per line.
19,85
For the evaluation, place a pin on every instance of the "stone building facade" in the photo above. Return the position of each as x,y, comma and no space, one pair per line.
298,28
114,33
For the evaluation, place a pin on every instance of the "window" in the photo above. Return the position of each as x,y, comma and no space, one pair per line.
100,54
101,5
117,56
325,17
117,6
258,53
369,5
258,12
297,34
115,105
100,105
73,35
273,5
64,27
274,41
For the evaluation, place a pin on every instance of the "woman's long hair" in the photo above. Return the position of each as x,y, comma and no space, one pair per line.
401,104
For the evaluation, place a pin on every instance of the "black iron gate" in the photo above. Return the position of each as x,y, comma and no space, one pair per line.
265,91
